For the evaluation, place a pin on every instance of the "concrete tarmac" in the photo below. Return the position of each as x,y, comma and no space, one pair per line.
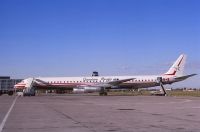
101,114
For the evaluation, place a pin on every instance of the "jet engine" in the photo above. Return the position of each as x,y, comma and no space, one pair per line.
86,89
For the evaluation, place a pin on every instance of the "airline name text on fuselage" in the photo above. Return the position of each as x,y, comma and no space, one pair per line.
96,79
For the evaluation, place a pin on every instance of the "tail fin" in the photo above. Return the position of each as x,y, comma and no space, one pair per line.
177,68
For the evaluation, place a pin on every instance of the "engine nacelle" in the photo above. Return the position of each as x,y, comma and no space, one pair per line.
86,89
115,87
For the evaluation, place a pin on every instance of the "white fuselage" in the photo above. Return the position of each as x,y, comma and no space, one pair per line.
72,82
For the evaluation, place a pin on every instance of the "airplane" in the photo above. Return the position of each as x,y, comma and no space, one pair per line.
102,84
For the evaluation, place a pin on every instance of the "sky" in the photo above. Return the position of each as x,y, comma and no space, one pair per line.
113,37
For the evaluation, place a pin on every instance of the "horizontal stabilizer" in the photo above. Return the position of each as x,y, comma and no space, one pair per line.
185,77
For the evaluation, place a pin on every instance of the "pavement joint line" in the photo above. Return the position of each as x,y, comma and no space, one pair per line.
7,115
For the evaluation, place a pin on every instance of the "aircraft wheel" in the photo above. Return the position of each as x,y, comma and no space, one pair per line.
101,94
10,93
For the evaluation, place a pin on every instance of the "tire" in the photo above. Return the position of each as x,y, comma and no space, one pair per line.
105,94
101,94
10,93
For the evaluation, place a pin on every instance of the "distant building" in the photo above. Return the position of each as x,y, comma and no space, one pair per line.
7,84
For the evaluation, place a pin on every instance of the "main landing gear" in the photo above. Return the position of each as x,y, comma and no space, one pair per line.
103,92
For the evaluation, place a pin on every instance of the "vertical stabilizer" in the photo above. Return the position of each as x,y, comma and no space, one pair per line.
177,68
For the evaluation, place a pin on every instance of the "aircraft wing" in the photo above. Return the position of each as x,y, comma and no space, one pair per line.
117,82
112,83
